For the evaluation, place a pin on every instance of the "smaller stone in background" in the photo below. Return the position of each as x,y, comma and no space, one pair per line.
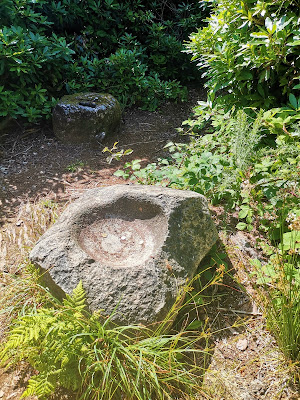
86,117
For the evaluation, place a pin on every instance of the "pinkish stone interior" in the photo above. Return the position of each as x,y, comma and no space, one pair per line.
122,236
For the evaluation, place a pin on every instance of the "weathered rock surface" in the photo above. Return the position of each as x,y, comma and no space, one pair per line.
86,117
133,247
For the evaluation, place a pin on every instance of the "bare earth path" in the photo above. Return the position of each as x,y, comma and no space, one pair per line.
36,169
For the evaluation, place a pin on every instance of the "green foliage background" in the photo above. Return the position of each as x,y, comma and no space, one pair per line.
250,52
131,49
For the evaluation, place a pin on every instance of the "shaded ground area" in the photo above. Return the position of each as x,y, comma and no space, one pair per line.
39,176
35,164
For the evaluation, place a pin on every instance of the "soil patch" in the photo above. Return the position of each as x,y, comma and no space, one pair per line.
35,164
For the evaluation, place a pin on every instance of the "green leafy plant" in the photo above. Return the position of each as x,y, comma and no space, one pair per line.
279,281
116,155
86,353
238,162
249,52
213,164
76,166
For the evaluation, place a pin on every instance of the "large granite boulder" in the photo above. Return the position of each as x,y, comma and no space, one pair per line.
133,247
86,117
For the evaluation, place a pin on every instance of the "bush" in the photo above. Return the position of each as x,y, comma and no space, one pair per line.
250,52
132,50
32,63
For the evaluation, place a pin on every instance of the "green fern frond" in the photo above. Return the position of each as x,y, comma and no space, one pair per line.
39,385
64,361
77,300
71,379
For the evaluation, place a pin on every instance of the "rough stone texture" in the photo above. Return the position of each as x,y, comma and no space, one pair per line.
86,117
133,247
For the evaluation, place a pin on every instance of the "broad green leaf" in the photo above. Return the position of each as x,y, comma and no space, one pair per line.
291,240
269,25
195,325
244,211
260,35
294,43
293,101
241,226
245,75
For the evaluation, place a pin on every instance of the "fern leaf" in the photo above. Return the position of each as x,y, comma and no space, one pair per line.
40,386
77,299
65,360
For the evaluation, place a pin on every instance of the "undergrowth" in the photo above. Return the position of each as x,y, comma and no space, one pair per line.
248,163
278,287
90,355
237,163
131,49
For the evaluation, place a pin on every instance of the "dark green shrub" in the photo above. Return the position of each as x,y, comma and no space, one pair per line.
131,49
250,52
33,63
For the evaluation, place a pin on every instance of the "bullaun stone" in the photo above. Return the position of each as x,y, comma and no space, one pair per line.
86,117
133,247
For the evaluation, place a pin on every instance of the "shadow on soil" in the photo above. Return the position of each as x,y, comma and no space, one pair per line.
34,165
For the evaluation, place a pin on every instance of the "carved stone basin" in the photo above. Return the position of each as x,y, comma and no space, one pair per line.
86,117
133,247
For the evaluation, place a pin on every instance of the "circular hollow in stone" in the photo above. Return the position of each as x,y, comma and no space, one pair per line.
123,234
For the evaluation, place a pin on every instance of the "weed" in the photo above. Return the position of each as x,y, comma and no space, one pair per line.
116,155
75,167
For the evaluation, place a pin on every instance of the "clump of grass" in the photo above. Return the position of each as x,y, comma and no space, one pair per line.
283,307
21,292
35,219
32,221
20,289
280,295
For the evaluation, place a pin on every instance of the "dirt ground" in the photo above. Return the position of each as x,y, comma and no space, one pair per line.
36,169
